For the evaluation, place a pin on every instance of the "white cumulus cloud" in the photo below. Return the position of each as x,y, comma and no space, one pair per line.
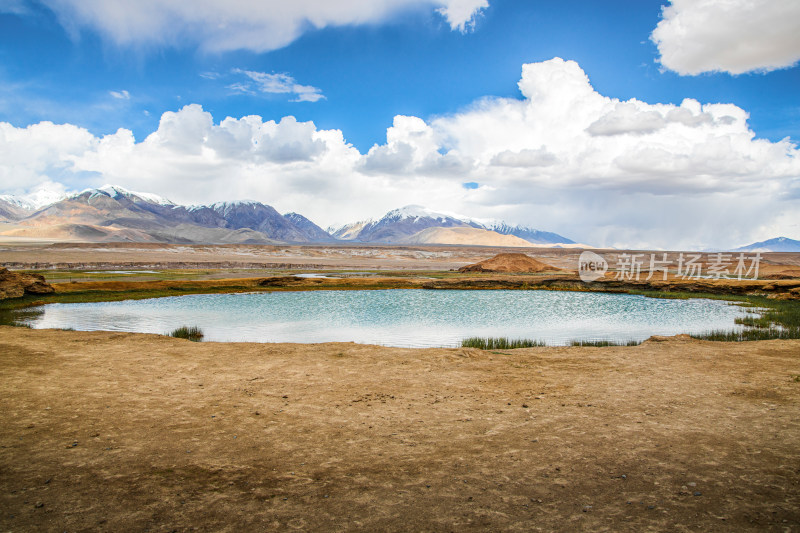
239,24
561,158
735,36
461,14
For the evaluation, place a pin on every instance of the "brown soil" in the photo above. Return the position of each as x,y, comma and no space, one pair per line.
130,432
509,262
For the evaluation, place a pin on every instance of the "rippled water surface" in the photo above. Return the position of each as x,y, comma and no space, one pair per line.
400,317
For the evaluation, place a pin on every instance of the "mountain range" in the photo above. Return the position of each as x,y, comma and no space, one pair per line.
778,244
415,224
113,214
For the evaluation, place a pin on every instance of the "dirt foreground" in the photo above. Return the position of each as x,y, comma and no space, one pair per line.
131,432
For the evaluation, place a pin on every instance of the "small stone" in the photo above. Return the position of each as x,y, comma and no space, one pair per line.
651,506
623,476
587,508
692,484
39,505
698,493
525,405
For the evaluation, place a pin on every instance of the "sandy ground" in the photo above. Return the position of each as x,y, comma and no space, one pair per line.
131,432
93,256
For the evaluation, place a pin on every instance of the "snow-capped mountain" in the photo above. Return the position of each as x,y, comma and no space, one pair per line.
41,196
778,244
115,191
11,210
399,225
529,234
112,213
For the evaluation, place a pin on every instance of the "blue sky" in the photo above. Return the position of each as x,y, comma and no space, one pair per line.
100,66
412,65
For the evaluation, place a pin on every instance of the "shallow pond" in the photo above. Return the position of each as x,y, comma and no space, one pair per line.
418,318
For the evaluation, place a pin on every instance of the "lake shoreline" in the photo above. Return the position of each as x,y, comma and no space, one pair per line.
116,290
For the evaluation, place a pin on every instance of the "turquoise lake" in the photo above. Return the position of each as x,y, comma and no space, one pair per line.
412,318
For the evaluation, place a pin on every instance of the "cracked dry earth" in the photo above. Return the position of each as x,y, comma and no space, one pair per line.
131,432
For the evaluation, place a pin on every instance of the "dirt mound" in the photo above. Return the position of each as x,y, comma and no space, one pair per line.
510,262
17,284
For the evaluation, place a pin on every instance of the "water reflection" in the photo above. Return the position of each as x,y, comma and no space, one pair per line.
399,317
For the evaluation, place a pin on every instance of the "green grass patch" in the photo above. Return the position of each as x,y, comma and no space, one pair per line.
500,343
777,319
192,333
603,343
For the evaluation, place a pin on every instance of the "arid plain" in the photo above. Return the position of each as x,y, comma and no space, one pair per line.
122,431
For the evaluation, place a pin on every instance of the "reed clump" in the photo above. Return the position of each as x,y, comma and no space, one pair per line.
500,343
192,333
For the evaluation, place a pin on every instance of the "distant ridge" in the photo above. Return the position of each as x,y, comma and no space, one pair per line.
778,244
115,214
401,225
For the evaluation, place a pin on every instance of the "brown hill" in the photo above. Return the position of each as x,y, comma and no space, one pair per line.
17,284
509,262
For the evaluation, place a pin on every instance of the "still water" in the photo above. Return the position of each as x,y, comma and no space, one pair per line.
418,318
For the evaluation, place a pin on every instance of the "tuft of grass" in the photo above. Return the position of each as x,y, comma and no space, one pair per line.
192,333
754,334
602,343
500,343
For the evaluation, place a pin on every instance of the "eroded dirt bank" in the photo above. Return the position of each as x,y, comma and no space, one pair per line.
132,432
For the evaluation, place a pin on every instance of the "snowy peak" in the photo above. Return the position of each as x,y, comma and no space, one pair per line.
418,212
17,201
778,244
349,232
252,204
527,233
116,192
41,196
399,225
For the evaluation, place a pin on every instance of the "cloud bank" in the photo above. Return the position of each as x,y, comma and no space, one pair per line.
562,158
735,36
219,26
